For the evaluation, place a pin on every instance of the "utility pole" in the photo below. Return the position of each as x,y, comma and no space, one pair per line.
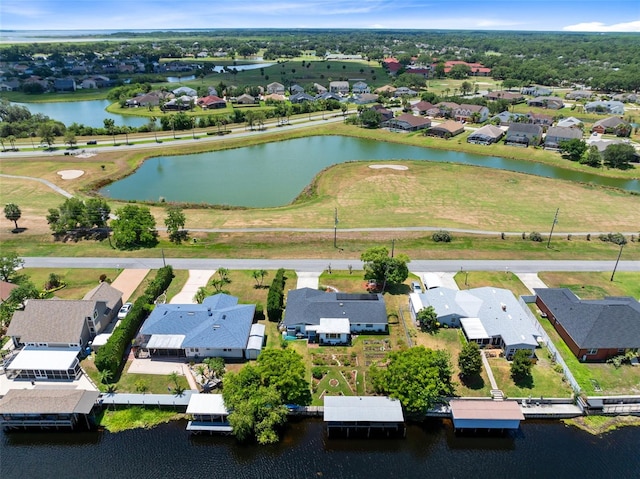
555,220
164,263
393,246
617,261
335,229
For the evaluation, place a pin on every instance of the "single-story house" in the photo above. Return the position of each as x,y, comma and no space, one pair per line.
506,117
486,135
65,323
570,122
467,112
301,97
609,107
275,97
445,109
319,88
365,98
539,119
446,129
523,134
360,87
608,125
504,95
295,88
557,134
329,95
551,102
594,330
579,95
306,307
385,113
385,89
64,84
151,98
211,102
404,91
219,327
184,90
536,90
487,316
275,87
363,414
245,99
339,87
407,122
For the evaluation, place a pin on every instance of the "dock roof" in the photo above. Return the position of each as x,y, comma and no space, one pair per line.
362,408
481,409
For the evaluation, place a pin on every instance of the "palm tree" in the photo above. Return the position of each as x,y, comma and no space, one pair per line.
152,125
259,275
105,376
109,125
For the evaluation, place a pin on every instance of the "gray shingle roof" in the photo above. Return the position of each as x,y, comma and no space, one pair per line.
307,306
612,322
48,401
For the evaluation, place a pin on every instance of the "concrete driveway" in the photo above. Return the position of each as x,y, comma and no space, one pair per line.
197,279
128,281
308,279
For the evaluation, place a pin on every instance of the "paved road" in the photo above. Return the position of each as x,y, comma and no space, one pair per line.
55,188
516,266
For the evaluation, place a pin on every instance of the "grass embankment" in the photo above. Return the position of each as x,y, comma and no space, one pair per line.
598,425
135,418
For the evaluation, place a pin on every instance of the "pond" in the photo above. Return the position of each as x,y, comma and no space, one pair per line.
274,174
90,113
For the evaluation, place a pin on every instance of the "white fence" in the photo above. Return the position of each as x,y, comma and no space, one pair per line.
550,346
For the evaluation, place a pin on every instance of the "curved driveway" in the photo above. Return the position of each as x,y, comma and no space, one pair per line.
55,188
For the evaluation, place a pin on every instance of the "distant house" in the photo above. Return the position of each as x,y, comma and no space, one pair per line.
307,307
557,134
504,95
360,87
446,129
467,113
486,135
611,107
245,99
505,118
328,95
319,88
385,113
539,119
404,91
550,102
65,323
421,108
446,109
594,330
64,84
339,87
151,98
275,97
184,90
275,87
407,122
579,95
365,98
10,85
487,316
536,90
211,102
301,97
523,134
609,125
570,122
385,89
219,327
293,89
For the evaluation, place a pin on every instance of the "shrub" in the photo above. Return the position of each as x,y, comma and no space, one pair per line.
615,238
441,236
535,236
318,372
275,297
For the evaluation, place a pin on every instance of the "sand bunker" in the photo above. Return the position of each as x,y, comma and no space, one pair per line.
391,167
70,174
85,155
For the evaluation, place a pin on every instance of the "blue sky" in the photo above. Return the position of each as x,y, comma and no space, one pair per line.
540,15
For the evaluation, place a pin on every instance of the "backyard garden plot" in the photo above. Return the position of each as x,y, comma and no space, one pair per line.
375,350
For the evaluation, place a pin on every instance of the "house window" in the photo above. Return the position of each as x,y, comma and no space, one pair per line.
333,336
95,314
592,351
621,350
368,325
227,350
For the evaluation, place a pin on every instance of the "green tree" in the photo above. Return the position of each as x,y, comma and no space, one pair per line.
573,149
110,126
134,228
259,275
97,212
370,118
380,266
9,264
70,215
593,157
216,367
469,360
256,410
427,318
12,213
619,155
47,134
70,139
284,369
174,222
418,377
521,365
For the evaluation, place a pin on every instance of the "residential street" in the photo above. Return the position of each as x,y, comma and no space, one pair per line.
516,266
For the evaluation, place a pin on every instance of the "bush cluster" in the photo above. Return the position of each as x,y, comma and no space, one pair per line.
535,236
615,238
275,297
441,236
109,356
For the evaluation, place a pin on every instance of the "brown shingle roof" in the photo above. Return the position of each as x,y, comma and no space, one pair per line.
48,401
5,290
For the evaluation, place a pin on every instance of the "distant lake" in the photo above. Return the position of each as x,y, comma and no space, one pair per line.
89,113
274,174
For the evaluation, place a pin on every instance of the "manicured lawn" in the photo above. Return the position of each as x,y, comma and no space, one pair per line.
79,281
595,285
545,381
178,282
497,279
612,381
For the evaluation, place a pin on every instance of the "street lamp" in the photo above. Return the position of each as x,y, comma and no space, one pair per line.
617,261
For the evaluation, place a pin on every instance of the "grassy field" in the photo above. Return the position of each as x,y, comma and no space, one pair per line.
595,285
78,281
498,279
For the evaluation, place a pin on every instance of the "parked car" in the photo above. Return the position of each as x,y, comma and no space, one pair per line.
126,307
92,142
416,287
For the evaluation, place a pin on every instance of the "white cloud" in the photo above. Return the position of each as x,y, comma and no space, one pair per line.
601,27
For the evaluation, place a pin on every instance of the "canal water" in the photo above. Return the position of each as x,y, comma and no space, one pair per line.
274,174
432,450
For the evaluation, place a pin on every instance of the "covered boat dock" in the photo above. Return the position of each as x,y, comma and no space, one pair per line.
209,414
490,415
359,415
